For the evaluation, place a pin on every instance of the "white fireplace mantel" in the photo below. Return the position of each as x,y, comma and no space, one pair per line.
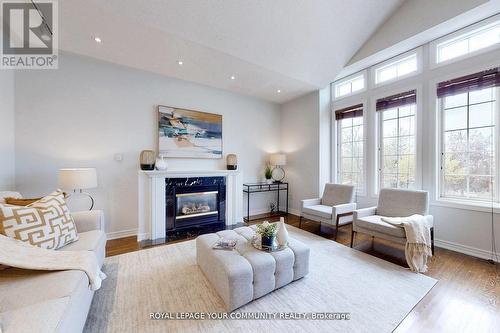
152,197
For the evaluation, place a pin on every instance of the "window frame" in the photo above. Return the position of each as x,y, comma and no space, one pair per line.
417,52
338,143
346,79
462,34
377,180
440,188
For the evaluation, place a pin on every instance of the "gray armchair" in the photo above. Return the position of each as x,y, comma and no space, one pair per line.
392,203
335,207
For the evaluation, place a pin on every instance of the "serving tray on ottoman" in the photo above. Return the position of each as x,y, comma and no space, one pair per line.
246,273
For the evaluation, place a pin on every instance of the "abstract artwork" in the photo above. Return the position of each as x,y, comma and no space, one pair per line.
189,134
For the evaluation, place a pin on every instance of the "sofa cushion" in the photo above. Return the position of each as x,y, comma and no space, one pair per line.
46,223
94,240
42,317
27,295
375,223
20,287
319,210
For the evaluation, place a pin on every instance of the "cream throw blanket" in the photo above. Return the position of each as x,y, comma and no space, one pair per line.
18,254
418,240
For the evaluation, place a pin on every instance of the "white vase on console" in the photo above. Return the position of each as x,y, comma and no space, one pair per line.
282,234
161,163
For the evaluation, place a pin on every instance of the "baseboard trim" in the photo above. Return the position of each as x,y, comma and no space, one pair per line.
469,250
121,234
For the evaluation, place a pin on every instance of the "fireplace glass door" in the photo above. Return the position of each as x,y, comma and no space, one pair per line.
191,205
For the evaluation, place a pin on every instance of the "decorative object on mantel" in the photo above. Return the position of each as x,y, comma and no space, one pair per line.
147,160
267,232
186,133
161,163
282,234
79,179
232,162
278,160
268,174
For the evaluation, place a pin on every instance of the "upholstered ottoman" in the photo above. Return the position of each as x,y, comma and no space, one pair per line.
244,274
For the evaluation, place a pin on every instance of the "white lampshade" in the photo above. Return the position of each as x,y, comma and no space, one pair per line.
277,159
77,178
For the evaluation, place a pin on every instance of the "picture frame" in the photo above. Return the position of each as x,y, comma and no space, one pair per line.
184,133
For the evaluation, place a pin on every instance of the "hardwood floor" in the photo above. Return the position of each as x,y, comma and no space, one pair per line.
466,298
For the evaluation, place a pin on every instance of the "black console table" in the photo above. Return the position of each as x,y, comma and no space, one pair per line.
265,187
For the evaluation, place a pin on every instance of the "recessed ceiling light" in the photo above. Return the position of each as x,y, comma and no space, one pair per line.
278,91
232,77
180,63
98,40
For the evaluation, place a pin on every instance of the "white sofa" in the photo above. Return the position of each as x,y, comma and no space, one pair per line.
38,301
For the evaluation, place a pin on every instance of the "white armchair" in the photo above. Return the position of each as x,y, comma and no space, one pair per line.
335,207
392,203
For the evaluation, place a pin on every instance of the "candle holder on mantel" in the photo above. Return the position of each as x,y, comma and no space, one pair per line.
147,160
232,162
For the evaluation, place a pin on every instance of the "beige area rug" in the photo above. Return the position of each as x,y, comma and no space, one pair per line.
377,294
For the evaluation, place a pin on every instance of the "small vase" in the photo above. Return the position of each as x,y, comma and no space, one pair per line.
269,181
267,241
282,234
161,163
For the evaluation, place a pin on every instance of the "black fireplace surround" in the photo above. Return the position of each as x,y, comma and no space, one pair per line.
194,203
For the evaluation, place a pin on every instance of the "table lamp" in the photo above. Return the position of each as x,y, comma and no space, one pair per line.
278,160
78,179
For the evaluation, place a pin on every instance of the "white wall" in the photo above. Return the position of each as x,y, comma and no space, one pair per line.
300,141
88,110
7,157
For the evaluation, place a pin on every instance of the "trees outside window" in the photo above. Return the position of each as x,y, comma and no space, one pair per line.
468,156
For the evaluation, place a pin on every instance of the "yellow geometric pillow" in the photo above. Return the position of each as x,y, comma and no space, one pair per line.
46,223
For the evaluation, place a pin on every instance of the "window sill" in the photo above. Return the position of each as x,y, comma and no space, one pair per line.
467,205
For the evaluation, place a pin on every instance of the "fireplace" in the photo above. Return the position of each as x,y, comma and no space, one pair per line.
193,203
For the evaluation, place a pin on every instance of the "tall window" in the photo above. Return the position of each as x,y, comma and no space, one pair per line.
397,140
469,110
350,146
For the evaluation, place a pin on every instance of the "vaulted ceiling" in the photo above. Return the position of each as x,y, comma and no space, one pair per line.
292,46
